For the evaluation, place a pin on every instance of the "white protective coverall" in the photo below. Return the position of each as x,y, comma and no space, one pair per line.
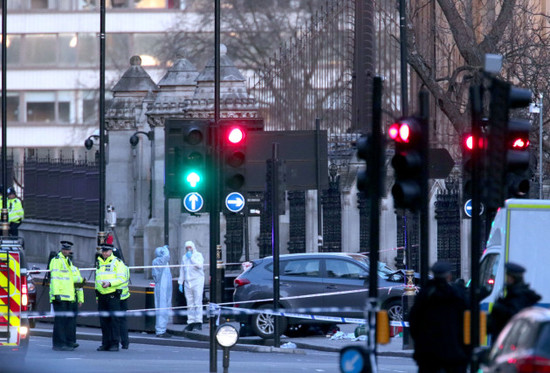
163,288
192,278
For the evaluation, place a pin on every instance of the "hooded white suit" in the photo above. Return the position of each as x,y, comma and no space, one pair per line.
163,288
192,278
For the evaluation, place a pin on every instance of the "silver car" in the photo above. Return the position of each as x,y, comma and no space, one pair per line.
335,283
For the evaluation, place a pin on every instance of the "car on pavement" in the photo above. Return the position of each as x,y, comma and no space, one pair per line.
334,283
523,345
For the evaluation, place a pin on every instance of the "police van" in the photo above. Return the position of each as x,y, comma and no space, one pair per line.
14,299
519,233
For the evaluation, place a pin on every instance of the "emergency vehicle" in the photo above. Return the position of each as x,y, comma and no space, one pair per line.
14,298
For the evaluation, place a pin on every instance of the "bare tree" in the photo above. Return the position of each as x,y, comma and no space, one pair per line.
465,31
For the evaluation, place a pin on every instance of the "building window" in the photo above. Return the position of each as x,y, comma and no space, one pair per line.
68,49
151,4
40,106
87,47
12,110
117,48
89,107
13,45
40,49
50,107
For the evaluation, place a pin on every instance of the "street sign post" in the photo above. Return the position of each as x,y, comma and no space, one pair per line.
234,202
193,202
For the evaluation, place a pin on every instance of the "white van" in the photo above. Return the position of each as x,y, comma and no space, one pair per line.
520,233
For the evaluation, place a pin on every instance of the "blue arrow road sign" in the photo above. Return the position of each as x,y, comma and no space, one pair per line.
193,202
468,208
354,359
234,202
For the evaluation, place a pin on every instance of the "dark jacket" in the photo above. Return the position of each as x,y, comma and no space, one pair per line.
436,324
518,296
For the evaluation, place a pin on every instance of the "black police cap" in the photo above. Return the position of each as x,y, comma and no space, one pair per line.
107,246
441,268
66,245
514,269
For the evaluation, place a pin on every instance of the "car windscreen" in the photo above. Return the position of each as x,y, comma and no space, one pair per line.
487,273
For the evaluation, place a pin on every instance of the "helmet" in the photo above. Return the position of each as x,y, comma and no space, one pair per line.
11,190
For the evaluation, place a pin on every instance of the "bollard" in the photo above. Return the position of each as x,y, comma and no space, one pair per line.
408,301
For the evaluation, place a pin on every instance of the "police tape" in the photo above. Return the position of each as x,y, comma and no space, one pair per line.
215,310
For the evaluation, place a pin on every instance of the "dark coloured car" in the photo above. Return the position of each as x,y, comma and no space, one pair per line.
302,276
523,346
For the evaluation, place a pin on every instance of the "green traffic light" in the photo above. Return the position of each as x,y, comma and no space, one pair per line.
193,179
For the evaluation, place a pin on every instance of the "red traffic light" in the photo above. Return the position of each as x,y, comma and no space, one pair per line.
400,132
468,142
520,143
235,135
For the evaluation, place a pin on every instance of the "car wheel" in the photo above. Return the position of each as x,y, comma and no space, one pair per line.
263,324
395,310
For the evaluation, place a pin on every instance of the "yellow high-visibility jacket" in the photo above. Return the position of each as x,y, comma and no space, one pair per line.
61,279
112,270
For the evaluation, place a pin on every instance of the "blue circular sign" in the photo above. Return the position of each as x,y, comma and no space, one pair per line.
234,202
354,359
468,206
193,202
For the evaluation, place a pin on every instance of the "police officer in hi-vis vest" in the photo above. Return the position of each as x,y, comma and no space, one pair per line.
62,297
110,276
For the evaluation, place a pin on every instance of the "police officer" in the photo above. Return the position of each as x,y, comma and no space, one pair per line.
79,299
16,214
62,297
436,324
518,296
124,295
109,277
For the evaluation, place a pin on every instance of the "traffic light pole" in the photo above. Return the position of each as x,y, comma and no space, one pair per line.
476,106
376,178
424,208
275,237
214,190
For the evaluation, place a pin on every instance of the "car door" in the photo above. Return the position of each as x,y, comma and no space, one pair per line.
347,284
300,281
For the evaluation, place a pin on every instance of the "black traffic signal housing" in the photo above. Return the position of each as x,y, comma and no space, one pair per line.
409,162
508,152
233,143
186,157
364,152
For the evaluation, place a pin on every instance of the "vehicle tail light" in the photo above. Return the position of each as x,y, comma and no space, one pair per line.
531,364
24,293
238,282
23,331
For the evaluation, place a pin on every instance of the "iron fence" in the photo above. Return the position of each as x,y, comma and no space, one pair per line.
61,190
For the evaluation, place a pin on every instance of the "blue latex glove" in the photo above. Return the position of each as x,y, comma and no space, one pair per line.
188,254
181,288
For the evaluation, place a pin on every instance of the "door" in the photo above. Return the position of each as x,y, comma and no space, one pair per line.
346,283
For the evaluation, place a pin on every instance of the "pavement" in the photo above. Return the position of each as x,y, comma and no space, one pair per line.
200,339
